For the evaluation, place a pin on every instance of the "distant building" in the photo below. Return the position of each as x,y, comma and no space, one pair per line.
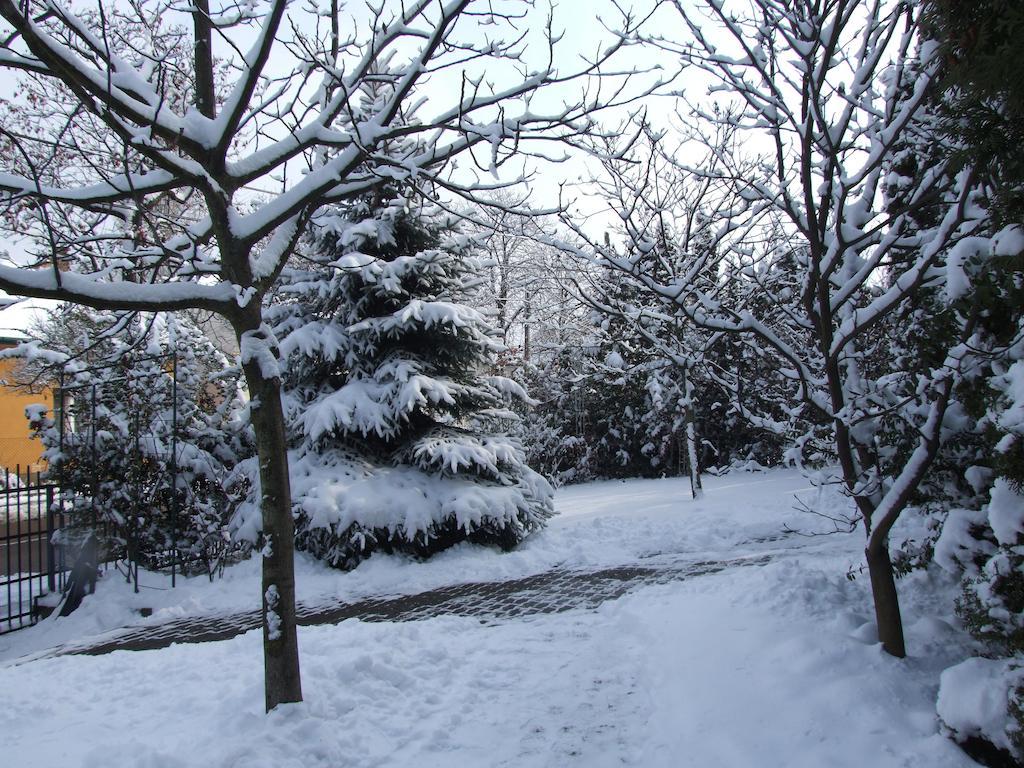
17,447
17,318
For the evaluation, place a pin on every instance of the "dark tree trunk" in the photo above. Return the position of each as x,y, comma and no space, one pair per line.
205,97
887,602
852,459
280,642
527,320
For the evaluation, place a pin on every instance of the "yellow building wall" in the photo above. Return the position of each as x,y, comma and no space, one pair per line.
17,447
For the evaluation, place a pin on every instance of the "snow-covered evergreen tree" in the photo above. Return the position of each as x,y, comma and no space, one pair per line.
617,403
607,408
617,368
553,430
391,409
144,441
979,113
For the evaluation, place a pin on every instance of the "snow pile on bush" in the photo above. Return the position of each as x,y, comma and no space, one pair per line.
977,699
351,507
983,698
962,545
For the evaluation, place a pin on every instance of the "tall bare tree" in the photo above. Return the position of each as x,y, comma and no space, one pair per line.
835,228
525,274
271,128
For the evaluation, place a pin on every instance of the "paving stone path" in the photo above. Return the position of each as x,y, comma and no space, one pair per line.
552,591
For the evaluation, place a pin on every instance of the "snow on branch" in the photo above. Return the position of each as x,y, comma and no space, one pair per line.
100,294
142,177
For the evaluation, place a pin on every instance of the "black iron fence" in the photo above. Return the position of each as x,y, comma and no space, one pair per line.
131,498
135,402
32,565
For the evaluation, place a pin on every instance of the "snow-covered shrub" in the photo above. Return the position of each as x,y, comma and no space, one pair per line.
611,411
984,699
1008,419
594,419
992,604
992,601
9,481
552,430
144,441
393,415
916,549
965,541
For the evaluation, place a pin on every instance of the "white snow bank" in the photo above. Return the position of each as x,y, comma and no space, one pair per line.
974,697
752,667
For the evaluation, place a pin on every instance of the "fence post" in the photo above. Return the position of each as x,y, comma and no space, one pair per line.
51,550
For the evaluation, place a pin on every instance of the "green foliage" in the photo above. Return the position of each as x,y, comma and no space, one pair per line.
992,604
918,553
395,418
980,43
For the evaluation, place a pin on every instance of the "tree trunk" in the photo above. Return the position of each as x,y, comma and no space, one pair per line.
205,96
280,642
887,603
527,320
696,489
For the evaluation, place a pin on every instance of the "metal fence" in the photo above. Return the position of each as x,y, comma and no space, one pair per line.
31,564
113,398
84,496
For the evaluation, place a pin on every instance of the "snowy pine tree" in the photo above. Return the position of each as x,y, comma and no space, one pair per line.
389,404
978,125
553,430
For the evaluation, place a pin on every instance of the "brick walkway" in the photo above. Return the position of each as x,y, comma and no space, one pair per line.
553,591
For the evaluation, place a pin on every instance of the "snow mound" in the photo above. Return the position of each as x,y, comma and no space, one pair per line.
974,698
1006,513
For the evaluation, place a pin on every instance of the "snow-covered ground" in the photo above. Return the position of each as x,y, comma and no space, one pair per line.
774,665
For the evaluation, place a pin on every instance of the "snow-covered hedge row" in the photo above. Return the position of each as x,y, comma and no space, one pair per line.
983,698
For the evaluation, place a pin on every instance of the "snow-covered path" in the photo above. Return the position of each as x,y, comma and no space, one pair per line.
599,526
553,591
767,666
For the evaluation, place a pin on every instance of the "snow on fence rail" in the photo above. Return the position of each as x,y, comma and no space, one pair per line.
34,563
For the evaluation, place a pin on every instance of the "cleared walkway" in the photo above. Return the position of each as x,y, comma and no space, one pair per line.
553,591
